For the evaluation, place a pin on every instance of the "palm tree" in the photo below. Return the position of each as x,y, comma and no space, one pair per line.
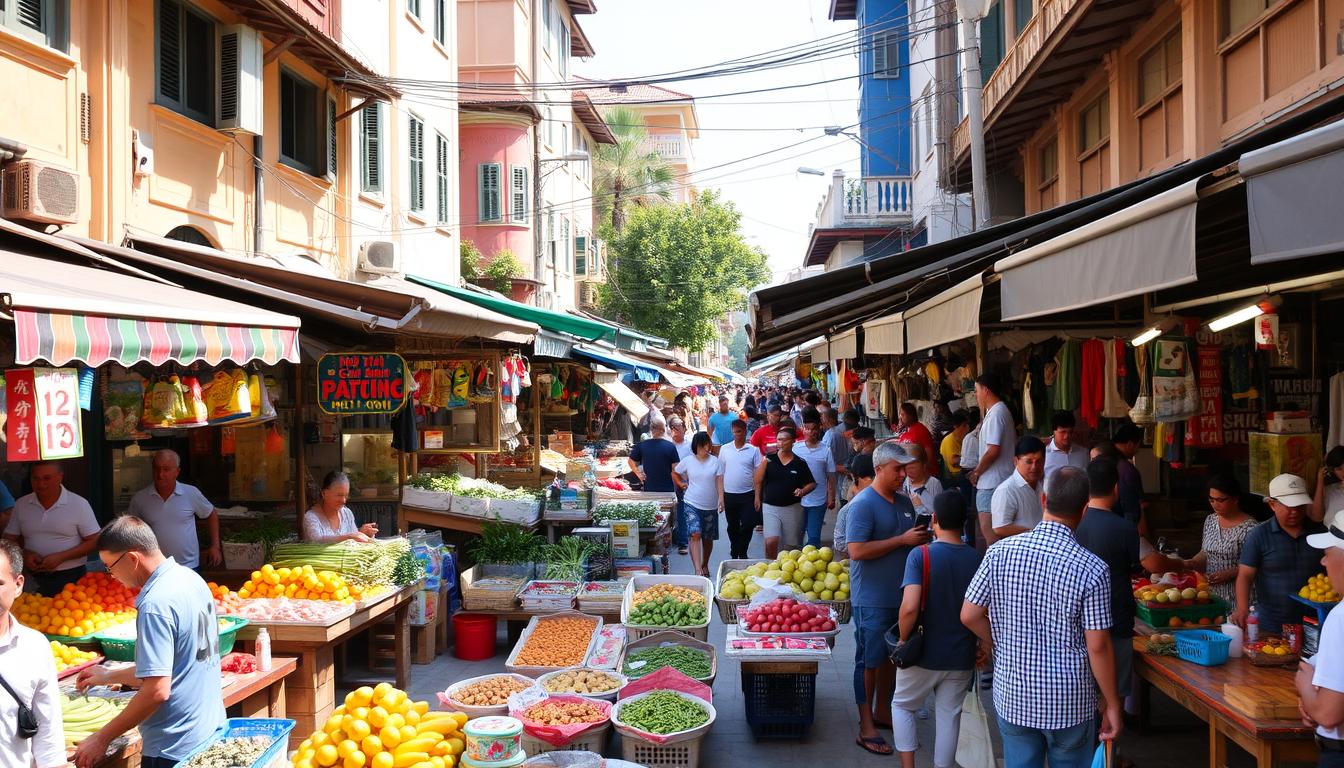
629,171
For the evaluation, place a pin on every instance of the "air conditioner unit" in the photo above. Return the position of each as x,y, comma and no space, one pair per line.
241,59
588,295
379,257
36,191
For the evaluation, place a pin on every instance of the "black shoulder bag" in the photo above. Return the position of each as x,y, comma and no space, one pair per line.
27,720
906,654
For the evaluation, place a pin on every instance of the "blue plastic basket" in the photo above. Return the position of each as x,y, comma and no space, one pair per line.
1203,646
275,729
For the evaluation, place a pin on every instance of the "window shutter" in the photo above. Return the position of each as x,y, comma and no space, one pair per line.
417,164
581,255
441,176
880,56
441,21
371,147
488,185
29,14
170,50
332,147
518,194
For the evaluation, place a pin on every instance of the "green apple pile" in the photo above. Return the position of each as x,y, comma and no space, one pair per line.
813,573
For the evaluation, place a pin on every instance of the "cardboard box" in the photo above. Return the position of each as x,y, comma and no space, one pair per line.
625,538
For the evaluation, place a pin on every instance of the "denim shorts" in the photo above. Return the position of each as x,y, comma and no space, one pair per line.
984,497
703,522
870,629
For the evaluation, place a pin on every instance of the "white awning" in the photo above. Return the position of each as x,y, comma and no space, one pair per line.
885,335
1292,206
1142,248
845,346
952,315
634,407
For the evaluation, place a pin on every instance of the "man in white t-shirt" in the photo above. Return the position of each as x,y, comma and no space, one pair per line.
1016,505
1320,679
740,460
172,509
55,527
27,666
998,434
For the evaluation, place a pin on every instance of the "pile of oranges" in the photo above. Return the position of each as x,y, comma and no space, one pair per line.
381,727
68,656
95,602
302,583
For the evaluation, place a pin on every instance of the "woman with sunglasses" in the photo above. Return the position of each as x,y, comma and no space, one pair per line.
1225,532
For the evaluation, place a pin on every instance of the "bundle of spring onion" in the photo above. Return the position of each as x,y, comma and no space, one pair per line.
565,558
384,561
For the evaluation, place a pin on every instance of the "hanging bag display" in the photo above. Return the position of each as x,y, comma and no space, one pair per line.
1142,412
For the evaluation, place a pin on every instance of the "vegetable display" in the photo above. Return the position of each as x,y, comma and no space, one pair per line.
230,753
581,681
267,530
506,543
691,662
557,641
384,561
68,656
472,487
95,602
788,615
565,558
490,692
303,582
646,512
662,712
381,727
669,611
811,572
564,713
83,716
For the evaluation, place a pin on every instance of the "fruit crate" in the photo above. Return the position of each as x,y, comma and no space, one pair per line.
1160,618
1203,647
275,729
728,608
779,705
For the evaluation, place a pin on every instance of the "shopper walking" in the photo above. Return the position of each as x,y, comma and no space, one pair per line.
782,480
176,670
740,460
721,423
1320,679
861,468
700,478
28,677
765,435
172,509
998,435
1041,602
676,434
1015,506
821,463
880,533
1276,559
945,666
56,529
1224,536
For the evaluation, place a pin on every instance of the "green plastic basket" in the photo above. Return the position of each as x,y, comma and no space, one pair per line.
1160,618
123,649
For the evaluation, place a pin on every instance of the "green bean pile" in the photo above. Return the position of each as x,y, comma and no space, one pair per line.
690,662
663,712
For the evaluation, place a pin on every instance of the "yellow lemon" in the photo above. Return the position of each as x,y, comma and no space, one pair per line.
390,737
354,760
326,756
346,747
371,745
382,760
357,729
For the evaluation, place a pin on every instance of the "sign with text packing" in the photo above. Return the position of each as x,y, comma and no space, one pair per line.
353,383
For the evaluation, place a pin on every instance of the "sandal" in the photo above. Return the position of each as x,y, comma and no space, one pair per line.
877,745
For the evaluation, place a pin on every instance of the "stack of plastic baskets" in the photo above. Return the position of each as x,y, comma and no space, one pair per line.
779,705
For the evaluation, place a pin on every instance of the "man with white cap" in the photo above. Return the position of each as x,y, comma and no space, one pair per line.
1277,559
1320,679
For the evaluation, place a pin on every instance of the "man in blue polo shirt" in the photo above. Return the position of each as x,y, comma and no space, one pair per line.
176,670
721,423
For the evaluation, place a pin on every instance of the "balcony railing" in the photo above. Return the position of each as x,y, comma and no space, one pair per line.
669,146
874,201
1016,62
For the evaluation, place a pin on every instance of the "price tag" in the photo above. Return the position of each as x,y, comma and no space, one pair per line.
58,419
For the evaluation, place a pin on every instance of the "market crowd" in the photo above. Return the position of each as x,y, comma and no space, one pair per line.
978,551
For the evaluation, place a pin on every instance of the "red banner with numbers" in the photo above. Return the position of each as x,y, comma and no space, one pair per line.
1206,429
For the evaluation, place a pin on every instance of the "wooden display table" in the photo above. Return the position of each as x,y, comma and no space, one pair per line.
411,516
310,693
258,694
1200,690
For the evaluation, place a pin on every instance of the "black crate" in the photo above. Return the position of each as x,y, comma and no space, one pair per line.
780,706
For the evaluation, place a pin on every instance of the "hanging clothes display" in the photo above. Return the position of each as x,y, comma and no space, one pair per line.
1092,381
1113,402
875,398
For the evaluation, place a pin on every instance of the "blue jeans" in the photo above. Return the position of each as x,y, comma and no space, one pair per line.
870,643
680,536
1066,747
813,517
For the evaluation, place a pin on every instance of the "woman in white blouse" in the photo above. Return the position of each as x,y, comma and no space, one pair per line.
329,520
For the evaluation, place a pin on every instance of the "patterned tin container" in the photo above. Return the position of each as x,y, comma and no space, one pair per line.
494,742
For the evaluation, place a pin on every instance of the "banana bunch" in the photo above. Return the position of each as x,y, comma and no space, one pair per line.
83,716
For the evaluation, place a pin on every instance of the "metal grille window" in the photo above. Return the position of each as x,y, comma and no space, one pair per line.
185,40
415,147
487,188
371,148
518,194
441,176
42,21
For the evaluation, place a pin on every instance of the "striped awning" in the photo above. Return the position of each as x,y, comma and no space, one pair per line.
59,337
64,312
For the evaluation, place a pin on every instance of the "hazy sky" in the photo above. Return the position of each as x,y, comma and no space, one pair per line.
636,38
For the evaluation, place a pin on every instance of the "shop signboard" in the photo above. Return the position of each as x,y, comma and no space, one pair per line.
21,412
351,383
56,392
1206,429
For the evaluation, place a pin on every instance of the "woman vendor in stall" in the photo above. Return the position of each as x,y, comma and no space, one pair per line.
1224,533
329,520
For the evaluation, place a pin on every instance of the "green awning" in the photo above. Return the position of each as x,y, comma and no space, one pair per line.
560,322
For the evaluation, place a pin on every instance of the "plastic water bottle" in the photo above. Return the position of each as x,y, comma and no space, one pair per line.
263,649
1252,626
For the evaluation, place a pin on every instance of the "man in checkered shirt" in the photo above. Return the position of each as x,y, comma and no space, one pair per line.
1041,604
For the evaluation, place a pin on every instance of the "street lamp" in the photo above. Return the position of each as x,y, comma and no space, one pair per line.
971,12
810,171
835,130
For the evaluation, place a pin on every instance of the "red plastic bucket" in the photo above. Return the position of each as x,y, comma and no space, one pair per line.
475,635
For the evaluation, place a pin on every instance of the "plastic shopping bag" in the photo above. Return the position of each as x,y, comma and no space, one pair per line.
975,747
1102,757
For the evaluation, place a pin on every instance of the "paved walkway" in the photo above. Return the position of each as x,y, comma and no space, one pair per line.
1176,740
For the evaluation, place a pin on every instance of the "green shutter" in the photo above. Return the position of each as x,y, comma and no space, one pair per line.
416,149
487,188
371,148
581,255
518,193
441,176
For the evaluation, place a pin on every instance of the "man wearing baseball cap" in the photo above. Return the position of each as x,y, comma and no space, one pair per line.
1320,679
1276,558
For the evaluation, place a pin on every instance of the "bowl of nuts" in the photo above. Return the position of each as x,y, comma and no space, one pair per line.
583,681
562,721
485,695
